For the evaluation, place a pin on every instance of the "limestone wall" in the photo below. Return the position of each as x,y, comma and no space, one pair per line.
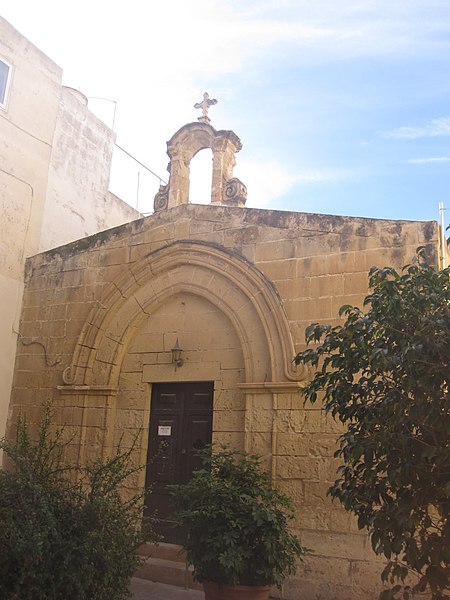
26,133
78,176
237,287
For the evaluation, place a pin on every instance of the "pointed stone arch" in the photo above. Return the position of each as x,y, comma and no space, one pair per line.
224,278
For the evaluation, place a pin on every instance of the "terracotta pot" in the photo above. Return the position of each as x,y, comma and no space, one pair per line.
235,592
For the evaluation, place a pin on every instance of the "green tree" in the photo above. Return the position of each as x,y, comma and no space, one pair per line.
384,373
65,533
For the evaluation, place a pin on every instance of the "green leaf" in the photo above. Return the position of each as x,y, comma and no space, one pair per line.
385,375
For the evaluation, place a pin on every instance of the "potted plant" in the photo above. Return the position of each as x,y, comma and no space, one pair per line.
237,526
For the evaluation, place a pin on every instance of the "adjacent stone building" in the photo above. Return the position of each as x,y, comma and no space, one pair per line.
104,320
55,160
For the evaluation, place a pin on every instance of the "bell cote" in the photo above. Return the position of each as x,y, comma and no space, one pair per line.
184,145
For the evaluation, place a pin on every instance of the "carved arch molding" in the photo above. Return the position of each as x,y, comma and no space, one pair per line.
227,280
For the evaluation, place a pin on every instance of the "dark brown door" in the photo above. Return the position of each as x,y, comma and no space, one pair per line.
180,423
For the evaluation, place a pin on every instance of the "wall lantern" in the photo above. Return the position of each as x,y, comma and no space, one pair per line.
176,355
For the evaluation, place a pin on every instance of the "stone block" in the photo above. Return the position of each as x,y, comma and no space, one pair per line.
315,518
114,256
293,444
234,439
315,493
96,417
315,421
323,444
340,518
133,363
260,443
148,342
229,377
94,438
289,421
72,416
313,266
273,251
259,420
30,313
72,278
300,467
237,238
128,438
278,269
293,489
352,299
343,262
336,545
366,580
129,400
328,469
71,452
57,329
228,400
224,420
58,311
322,568
67,295
130,419
304,588
133,381
333,426
285,401
326,286
310,310
356,283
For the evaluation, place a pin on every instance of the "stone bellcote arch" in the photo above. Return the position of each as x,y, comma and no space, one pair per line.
182,148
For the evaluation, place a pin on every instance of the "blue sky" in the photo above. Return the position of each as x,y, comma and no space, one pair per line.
343,107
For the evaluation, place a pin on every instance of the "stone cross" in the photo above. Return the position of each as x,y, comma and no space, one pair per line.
204,105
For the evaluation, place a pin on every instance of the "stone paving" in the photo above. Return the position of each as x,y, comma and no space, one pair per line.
143,589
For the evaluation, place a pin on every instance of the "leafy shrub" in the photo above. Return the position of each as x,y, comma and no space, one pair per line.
65,532
237,522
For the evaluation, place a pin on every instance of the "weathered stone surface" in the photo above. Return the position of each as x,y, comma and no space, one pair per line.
113,320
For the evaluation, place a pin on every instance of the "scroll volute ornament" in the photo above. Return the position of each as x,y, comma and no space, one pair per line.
161,200
235,193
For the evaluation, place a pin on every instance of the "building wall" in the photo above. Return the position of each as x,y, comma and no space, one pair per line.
237,287
26,134
54,172
78,176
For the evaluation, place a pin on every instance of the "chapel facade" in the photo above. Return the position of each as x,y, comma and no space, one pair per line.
180,329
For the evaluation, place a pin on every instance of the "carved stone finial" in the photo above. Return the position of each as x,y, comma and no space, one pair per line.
204,105
235,193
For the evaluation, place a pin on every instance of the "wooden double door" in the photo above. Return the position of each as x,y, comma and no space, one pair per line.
180,423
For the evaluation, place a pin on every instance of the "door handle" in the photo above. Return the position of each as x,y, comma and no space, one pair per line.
183,451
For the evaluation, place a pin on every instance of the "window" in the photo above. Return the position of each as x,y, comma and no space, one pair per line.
5,71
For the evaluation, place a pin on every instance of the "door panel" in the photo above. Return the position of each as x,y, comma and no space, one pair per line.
180,423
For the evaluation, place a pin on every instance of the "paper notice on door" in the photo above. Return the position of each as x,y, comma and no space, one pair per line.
164,430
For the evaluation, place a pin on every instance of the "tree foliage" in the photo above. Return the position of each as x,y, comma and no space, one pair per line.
237,522
385,374
65,533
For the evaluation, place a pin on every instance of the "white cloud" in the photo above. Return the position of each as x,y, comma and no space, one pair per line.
424,161
436,127
154,59
267,181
